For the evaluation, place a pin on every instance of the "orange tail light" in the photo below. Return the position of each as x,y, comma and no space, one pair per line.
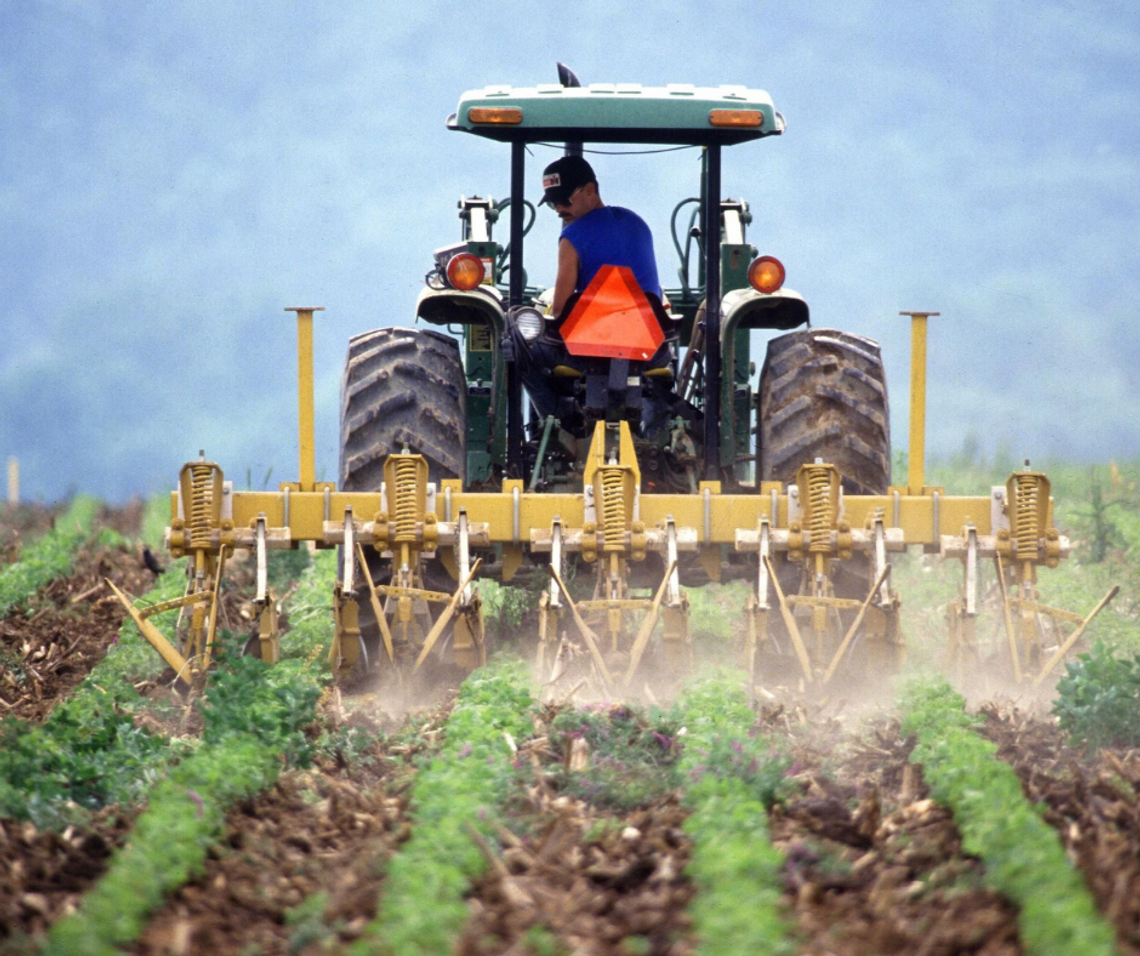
766,274
465,271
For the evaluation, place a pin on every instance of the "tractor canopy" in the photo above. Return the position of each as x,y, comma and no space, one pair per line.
679,113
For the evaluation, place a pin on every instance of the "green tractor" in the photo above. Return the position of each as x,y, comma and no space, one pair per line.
454,393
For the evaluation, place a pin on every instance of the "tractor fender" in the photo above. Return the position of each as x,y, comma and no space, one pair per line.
748,309
482,306
481,311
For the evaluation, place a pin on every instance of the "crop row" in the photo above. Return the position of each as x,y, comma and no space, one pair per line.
1023,855
253,717
49,556
731,779
464,786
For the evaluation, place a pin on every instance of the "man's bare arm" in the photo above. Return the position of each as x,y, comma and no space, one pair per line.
567,276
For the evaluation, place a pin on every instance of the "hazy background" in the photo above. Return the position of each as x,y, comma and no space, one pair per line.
173,175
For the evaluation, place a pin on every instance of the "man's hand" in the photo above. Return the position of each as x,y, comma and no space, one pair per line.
567,276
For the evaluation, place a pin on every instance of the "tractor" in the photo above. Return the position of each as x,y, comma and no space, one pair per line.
457,399
665,463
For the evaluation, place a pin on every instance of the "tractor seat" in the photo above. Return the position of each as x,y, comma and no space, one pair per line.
664,373
565,371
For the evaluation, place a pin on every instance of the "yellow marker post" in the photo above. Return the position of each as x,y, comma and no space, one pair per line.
916,478
13,481
305,418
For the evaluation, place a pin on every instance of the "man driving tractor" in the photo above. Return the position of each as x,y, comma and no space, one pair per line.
594,235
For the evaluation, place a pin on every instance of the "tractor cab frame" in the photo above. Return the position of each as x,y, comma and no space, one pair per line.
713,313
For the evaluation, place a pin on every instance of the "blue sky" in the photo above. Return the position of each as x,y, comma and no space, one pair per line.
174,176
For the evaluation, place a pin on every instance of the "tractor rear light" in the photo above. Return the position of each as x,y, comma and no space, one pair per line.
465,271
529,323
747,118
766,274
496,116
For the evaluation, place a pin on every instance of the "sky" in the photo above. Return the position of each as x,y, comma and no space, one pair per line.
174,176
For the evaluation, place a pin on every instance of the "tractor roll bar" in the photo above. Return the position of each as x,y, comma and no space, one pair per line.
516,277
711,197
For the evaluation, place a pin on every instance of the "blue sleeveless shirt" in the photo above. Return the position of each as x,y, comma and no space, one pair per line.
613,236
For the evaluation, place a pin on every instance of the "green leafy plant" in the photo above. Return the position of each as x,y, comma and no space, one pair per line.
285,567
1098,699
306,922
732,776
1098,522
89,753
714,613
508,612
632,760
246,696
540,941
156,517
1023,856
88,756
460,789
346,745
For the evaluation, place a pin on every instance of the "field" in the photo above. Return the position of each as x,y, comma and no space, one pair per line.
279,813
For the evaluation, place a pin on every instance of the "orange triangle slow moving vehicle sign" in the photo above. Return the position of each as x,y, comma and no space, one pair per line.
613,319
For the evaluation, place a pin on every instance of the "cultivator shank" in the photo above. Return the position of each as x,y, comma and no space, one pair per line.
1022,539
405,532
201,528
817,539
609,537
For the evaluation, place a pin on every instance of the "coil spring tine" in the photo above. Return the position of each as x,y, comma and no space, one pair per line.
819,508
201,504
613,506
1026,531
405,523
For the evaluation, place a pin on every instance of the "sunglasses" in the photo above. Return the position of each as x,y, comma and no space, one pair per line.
555,203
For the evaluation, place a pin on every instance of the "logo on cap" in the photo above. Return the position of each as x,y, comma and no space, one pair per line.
551,181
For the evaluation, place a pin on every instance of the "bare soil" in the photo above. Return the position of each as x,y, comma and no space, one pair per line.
313,833
873,865
53,640
591,880
43,874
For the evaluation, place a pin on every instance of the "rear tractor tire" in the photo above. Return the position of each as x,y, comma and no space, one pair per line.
402,389
823,395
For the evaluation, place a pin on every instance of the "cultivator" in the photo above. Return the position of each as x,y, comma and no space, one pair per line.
799,540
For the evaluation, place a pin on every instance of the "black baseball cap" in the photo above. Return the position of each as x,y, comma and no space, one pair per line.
563,176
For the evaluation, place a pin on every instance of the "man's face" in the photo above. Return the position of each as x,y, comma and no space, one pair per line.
576,206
